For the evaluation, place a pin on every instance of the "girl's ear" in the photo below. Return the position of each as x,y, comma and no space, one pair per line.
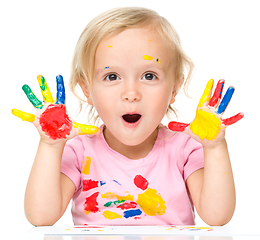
176,89
85,90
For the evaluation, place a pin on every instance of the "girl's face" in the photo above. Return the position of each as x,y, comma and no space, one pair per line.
133,85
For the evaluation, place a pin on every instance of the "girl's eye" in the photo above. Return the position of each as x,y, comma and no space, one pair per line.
149,76
111,77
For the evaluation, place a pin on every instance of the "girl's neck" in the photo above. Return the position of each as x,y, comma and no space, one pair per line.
132,152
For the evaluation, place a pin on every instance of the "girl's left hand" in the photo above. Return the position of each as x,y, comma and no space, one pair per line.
208,127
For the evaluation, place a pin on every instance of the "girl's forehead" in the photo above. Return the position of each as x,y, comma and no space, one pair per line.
143,42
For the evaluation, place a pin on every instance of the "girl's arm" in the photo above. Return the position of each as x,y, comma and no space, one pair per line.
212,189
49,191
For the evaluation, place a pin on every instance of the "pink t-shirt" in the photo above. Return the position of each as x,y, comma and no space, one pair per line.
114,190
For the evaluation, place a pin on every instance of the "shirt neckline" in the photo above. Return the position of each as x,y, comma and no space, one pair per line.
122,158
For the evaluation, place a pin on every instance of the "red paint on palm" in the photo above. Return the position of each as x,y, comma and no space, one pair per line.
55,122
177,126
141,182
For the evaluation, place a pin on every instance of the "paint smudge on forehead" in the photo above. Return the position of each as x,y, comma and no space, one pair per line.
109,46
104,68
146,57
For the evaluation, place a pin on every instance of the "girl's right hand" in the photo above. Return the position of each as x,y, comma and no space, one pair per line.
51,118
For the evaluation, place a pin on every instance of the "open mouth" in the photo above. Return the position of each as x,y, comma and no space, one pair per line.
131,118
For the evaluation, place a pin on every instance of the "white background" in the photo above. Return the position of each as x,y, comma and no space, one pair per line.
38,37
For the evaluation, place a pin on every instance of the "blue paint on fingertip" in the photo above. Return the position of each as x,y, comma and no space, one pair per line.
225,101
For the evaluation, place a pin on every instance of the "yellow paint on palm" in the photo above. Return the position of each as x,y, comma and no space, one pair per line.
151,202
111,195
46,93
206,125
207,93
23,115
85,165
85,129
111,215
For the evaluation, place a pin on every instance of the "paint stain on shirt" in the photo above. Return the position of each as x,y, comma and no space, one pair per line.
89,184
151,202
141,182
85,165
110,195
91,204
111,215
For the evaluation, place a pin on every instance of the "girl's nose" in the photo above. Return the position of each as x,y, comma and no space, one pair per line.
131,94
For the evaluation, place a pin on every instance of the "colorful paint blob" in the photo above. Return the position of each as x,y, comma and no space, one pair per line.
55,122
151,202
46,93
225,101
206,94
146,57
127,205
91,204
85,129
217,94
89,184
132,213
234,119
85,165
60,90
114,203
23,115
206,125
158,60
111,215
32,98
110,46
177,126
141,182
110,195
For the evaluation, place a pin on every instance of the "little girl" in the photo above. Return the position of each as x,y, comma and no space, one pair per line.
132,170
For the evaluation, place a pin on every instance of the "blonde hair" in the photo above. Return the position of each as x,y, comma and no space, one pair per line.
113,22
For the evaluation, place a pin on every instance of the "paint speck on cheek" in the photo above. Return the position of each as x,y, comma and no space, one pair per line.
55,122
110,46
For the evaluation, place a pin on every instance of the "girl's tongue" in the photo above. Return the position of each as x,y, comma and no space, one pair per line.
131,118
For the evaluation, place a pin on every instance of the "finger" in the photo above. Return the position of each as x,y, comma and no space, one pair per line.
217,94
177,126
225,101
85,129
46,93
207,93
23,115
232,120
60,90
32,98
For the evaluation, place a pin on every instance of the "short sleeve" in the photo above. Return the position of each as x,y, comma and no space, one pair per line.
193,153
72,154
